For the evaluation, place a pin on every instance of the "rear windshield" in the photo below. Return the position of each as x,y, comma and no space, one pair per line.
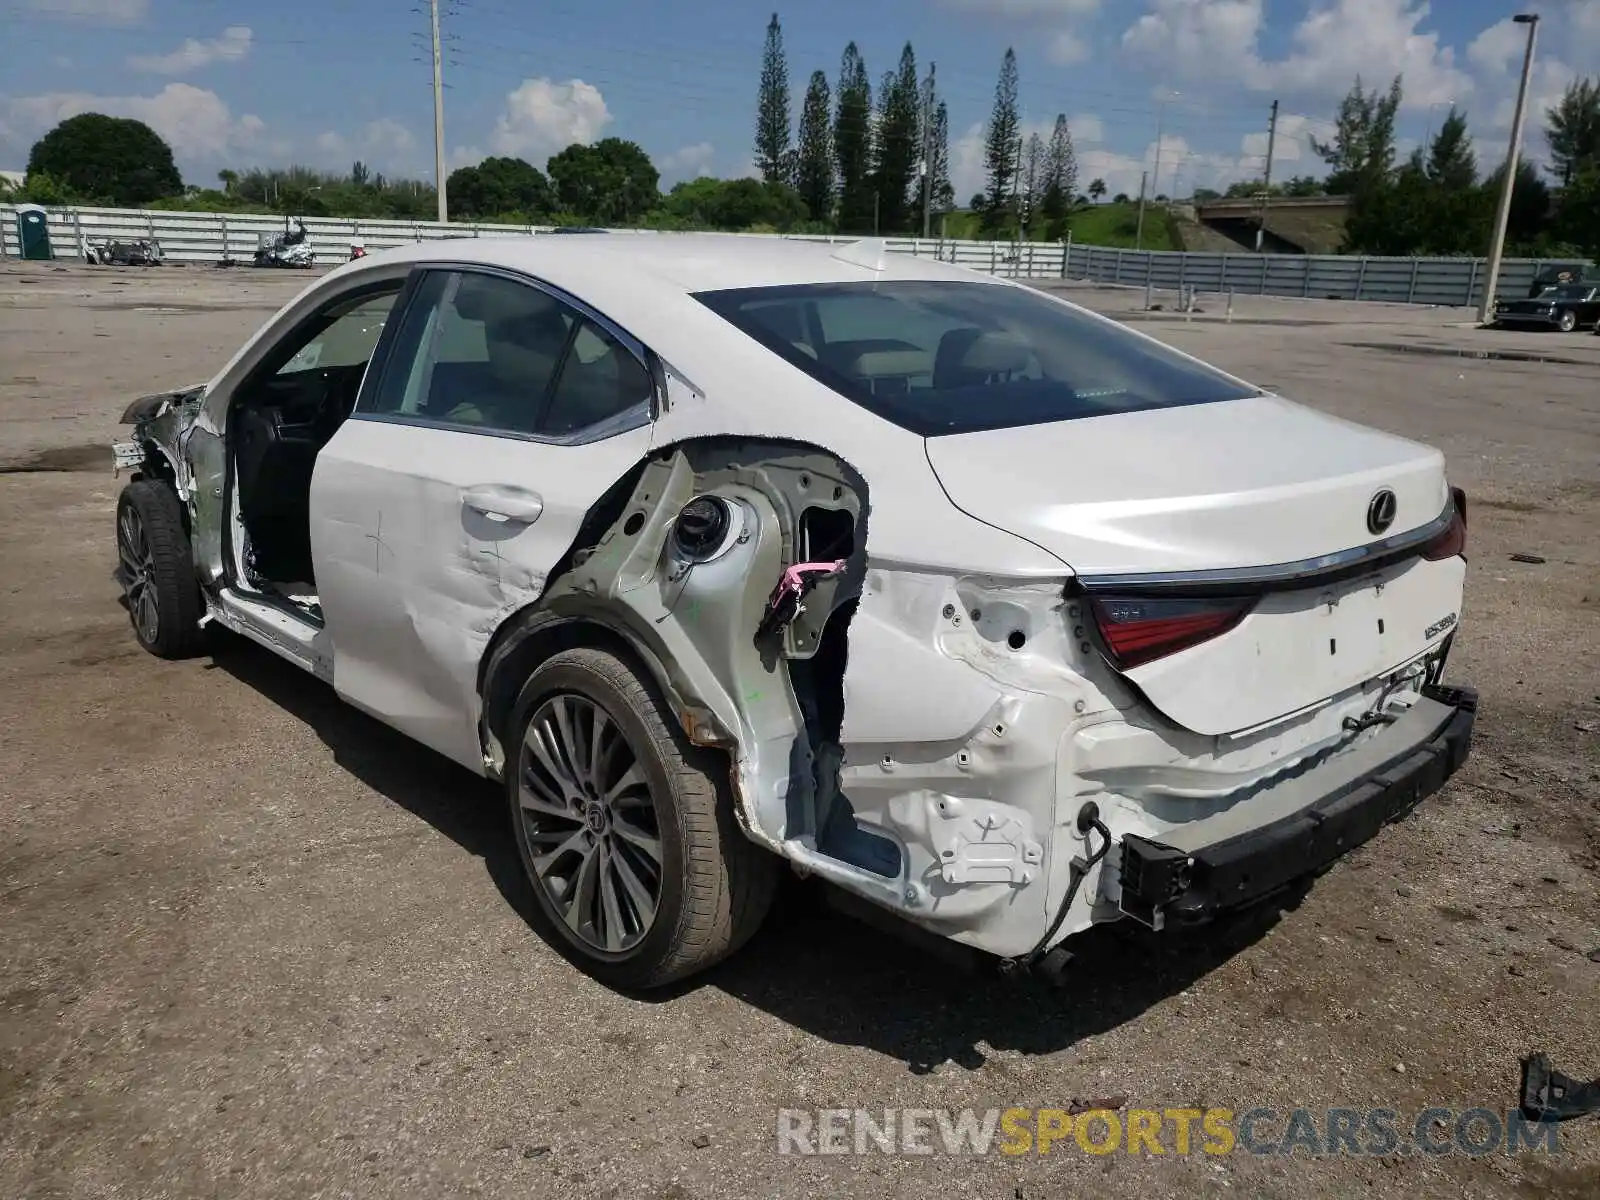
940,358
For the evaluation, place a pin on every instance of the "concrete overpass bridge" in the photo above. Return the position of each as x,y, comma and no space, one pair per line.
1294,224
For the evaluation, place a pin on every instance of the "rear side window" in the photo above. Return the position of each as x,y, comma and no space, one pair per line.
940,358
485,352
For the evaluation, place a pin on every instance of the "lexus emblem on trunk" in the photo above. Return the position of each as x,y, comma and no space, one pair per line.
1381,510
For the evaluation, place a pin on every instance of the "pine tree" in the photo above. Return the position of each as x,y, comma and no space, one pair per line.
852,142
944,195
1451,164
1572,128
1060,177
773,158
898,145
1001,147
1362,150
814,169
1030,188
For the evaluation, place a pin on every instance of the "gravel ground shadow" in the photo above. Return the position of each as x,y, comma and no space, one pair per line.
838,979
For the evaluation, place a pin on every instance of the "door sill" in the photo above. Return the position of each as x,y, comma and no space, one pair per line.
289,634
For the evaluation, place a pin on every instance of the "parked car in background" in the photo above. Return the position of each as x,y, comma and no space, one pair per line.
716,552
118,252
1558,274
1565,306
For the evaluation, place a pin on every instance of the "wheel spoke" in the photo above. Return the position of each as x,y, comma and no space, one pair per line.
599,754
537,796
538,741
576,843
614,930
567,742
632,778
643,902
581,911
647,842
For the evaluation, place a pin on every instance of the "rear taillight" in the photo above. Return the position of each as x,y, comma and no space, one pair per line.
1137,631
1453,541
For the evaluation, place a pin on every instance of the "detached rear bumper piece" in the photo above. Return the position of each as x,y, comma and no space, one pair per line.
1164,884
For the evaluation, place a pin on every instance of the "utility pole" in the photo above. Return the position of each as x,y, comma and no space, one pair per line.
1161,113
438,114
1138,233
1503,216
927,157
1266,184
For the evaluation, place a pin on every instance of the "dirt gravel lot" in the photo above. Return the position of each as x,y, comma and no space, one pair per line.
254,944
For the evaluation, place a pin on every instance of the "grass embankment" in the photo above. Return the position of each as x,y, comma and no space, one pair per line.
1093,225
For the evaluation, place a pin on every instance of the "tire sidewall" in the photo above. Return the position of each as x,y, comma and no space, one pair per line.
564,673
173,581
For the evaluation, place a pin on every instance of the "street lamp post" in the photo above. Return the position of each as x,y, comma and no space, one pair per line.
1503,215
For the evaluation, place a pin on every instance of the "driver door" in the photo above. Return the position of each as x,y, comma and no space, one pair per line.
503,412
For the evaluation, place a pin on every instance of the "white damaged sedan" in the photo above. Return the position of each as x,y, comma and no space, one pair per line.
722,551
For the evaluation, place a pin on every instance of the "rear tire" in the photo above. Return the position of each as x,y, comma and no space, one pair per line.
626,831
156,569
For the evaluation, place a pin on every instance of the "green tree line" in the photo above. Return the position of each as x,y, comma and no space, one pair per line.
1439,202
870,161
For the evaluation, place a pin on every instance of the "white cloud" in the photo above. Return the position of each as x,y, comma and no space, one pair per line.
1028,9
1497,48
1190,34
122,12
1208,40
542,117
1066,48
387,136
195,122
384,144
687,162
1295,131
195,53
1087,129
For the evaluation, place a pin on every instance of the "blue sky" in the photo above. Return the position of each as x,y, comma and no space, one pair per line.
325,82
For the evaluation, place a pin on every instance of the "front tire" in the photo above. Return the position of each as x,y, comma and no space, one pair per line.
626,831
1567,321
155,567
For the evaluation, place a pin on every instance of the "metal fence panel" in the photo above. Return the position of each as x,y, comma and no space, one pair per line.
1439,281
202,237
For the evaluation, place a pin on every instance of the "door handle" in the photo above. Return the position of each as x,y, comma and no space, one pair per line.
504,504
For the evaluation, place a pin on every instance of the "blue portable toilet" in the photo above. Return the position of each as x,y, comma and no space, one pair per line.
33,232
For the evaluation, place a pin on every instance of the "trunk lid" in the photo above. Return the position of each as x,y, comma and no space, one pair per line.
1232,486
1241,483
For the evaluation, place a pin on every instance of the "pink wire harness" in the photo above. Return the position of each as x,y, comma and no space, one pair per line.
785,606
794,578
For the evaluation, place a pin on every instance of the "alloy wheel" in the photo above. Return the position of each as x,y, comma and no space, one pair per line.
593,837
136,573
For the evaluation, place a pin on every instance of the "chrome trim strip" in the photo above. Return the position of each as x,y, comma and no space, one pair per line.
1307,572
625,421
